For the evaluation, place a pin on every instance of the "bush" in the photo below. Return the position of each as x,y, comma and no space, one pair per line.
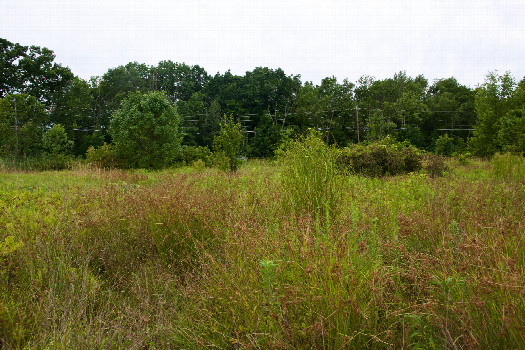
190,154
228,145
102,157
445,145
449,146
463,158
55,141
310,178
509,167
434,165
198,165
380,159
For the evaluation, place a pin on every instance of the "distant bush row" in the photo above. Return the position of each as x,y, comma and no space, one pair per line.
388,157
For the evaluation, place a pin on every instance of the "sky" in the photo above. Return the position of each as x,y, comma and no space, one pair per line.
347,39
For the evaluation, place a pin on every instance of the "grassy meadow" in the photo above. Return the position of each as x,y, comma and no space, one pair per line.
273,256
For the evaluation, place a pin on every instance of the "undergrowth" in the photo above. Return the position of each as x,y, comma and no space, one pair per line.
293,256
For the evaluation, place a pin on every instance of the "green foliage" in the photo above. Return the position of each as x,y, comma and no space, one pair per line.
266,139
73,110
451,106
228,145
57,149
102,157
198,165
22,122
190,154
379,126
380,158
145,131
509,167
310,178
445,145
55,141
511,134
31,70
494,99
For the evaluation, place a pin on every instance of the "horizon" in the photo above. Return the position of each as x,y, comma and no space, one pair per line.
313,39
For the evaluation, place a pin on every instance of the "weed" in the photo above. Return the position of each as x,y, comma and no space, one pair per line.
509,167
310,179
290,255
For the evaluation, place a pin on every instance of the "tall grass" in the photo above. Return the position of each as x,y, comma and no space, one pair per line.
310,178
204,259
37,163
509,167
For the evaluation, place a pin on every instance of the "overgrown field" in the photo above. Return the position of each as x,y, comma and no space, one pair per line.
270,257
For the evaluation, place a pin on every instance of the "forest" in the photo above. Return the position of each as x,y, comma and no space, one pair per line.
40,97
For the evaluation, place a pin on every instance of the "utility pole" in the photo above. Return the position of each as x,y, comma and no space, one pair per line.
16,128
357,118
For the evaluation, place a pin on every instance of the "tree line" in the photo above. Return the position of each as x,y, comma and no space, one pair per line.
39,96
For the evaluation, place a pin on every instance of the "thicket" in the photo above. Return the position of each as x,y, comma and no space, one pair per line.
385,157
102,157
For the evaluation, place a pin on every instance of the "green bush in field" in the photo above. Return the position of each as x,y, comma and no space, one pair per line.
445,145
55,141
190,154
228,145
57,150
380,158
310,178
449,146
102,157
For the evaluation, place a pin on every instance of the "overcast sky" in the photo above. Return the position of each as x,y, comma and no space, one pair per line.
437,38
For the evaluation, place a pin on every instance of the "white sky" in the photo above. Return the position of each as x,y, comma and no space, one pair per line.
437,38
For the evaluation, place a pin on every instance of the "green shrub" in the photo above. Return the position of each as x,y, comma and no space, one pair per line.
509,167
55,141
445,145
198,165
310,178
102,157
190,154
380,159
228,145
463,158
449,146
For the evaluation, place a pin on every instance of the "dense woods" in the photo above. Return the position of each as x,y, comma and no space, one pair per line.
270,106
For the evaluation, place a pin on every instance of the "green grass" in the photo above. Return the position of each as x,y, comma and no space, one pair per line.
197,258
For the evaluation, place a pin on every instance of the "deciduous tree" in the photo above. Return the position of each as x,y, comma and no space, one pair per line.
145,130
